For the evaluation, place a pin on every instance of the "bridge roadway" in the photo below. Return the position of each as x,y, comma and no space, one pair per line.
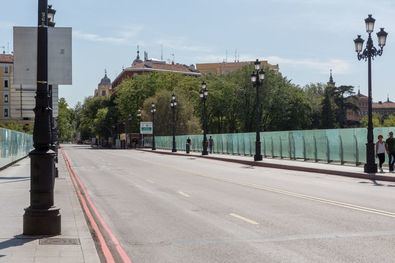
180,209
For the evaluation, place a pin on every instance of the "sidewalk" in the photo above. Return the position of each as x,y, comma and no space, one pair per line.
296,165
75,245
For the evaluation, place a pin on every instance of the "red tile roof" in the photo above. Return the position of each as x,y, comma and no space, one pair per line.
6,58
384,105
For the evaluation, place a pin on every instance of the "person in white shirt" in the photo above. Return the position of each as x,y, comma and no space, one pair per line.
380,152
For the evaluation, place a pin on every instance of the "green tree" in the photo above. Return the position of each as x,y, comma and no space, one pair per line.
344,101
328,116
315,93
186,121
65,121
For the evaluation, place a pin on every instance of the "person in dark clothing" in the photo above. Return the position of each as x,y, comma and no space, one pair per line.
188,145
390,147
210,145
380,152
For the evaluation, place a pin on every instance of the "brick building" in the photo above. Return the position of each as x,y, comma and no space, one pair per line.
148,66
228,67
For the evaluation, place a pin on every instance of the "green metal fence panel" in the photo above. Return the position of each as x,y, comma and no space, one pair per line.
332,145
13,146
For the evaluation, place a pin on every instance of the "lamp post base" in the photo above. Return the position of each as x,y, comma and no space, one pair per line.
173,150
258,155
370,168
371,165
42,222
204,152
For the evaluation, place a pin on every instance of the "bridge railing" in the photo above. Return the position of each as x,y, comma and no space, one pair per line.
13,146
332,145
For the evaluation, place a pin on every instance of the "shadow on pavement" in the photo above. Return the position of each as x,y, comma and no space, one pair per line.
375,183
14,178
16,241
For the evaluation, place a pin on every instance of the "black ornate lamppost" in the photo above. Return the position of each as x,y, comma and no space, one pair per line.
173,105
203,94
54,126
127,125
153,110
138,115
42,217
257,77
368,54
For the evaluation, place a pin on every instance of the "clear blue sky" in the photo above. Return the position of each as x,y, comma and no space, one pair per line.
305,37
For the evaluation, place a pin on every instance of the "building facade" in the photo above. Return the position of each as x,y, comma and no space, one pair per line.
18,101
148,66
228,67
6,77
104,87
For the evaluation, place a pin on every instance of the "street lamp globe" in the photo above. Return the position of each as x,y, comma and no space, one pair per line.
205,93
204,85
51,16
358,44
138,113
370,24
153,108
382,36
253,77
257,64
173,97
261,74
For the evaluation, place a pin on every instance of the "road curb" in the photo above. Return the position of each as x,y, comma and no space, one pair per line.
286,167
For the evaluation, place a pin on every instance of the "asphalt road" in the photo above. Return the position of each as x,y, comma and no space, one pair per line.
182,209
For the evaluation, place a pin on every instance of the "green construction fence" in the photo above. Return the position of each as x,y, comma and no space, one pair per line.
332,145
13,146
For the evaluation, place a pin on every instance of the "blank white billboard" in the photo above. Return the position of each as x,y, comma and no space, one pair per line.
59,55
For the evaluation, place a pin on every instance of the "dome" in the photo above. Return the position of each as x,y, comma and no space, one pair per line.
105,80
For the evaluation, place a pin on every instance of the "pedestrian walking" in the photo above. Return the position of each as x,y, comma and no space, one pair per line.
188,145
390,147
380,152
210,144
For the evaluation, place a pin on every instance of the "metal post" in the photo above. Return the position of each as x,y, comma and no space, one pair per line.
258,155
42,217
174,149
153,131
370,166
204,151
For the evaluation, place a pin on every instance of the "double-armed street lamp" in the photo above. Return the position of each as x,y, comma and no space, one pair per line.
173,105
42,217
257,77
368,54
153,110
203,94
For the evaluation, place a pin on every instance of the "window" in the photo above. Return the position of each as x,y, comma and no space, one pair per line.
6,98
103,93
6,83
5,113
6,69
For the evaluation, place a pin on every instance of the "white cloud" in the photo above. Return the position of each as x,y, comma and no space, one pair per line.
124,36
322,66
181,43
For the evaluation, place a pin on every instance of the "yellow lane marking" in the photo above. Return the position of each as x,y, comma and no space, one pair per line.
184,194
244,219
